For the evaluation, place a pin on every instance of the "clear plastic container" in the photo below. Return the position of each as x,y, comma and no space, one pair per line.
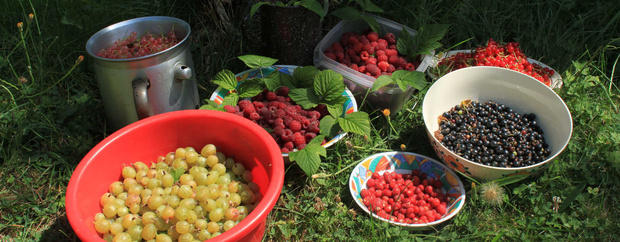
391,96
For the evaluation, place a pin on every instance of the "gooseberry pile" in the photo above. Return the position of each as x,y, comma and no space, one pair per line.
410,198
507,55
293,127
132,46
186,195
492,134
369,53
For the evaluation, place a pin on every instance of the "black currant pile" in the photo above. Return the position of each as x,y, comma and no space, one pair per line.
492,134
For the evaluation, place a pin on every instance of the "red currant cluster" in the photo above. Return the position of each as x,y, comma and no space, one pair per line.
507,55
369,54
132,46
405,198
293,127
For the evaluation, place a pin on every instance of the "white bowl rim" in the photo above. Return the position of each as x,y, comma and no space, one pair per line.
421,225
493,167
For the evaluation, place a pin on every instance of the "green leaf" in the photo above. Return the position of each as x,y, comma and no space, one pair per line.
231,99
317,141
305,97
255,7
505,181
427,38
176,172
308,158
273,81
338,101
304,76
250,88
335,111
288,81
382,81
226,79
404,42
347,13
356,122
372,22
371,7
212,105
572,194
313,5
328,127
328,84
257,61
415,79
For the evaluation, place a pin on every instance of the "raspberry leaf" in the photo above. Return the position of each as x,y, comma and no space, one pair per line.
212,105
256,61
176,173
356,122
230,99
305,97
369,6
382,81
304,76
309,158
250,88
314,6
273,81
255,7
226,79
288,81
372,22
347,13
428,37
317,141
404,42
328,84
415,79
335,110
328,127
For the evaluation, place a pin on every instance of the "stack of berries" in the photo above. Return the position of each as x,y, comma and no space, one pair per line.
293,127
369,54
133,46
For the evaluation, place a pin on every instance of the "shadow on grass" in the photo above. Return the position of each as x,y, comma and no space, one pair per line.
59,231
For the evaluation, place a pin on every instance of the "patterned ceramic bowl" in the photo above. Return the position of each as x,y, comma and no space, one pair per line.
349,106
516,90
403,163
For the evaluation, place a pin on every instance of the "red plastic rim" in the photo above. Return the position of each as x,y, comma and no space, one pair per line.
146,139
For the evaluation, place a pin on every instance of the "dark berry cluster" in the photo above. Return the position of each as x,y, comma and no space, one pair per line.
369,54
132,46
507,55
292,126
492,134
405,198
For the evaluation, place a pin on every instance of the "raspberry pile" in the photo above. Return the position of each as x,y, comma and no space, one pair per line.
369,54
507,55
492,134
405,198
293,127
132,46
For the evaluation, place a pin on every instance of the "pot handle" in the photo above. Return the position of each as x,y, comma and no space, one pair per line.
141,98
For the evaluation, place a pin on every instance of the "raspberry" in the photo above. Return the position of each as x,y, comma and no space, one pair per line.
289,145
278,130
295,126
346,61
391,52
361,69
383,65
354,67
287,120
299,139
390,38
402,62
282,91
373,69
410,67
371,60
330,55
285,150
356,59
258,97
271,96
314,127
353,40
351,53
243,103
249,109
339,56
287,135
279,122
280,113
364,55
381,58
258,105
381,44
391,68
393,59
280,99
369,48
358,47
392,47
229,109
379,53
301,147
290,111
255,116
363,39
372,36
305,123
309,136
337,47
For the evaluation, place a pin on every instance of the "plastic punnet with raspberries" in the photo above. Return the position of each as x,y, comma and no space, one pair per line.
301,111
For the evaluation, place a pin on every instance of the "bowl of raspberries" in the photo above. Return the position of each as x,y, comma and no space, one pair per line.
407,189
289,123
361,55
491,122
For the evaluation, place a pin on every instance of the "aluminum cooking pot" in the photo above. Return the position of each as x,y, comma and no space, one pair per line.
140,87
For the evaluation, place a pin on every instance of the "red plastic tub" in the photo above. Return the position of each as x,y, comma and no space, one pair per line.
149,138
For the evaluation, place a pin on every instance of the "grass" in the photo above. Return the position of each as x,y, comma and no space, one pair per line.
51,114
